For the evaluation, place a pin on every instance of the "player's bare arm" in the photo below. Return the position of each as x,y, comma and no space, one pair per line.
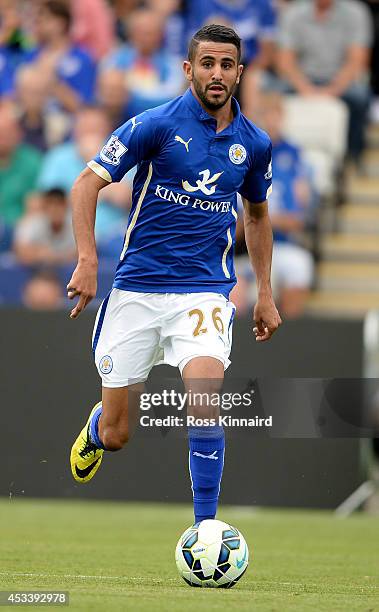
83,282
258,236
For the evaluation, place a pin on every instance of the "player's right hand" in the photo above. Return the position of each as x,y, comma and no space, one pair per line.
266,317
83,283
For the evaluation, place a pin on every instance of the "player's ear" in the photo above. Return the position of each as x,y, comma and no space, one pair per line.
239,72
187,68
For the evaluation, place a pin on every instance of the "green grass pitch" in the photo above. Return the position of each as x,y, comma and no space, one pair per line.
120,556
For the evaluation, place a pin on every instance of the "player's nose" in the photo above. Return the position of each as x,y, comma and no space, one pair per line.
217,74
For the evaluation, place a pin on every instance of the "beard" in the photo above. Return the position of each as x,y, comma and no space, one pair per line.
209,103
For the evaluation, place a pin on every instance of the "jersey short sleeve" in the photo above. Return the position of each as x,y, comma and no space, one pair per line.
129,145
257,184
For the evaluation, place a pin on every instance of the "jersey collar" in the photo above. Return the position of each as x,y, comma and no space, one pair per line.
202,114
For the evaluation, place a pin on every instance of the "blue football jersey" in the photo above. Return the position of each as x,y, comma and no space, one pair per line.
181,228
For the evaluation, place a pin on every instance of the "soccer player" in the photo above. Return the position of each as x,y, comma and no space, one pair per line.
169,301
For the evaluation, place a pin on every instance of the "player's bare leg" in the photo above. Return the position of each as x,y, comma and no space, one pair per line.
119,417
203,367
204,376
110,425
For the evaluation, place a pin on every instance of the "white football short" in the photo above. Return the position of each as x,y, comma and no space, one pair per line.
135,331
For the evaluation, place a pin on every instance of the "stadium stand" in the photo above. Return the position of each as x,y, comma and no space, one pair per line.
347,220
349,271
319,127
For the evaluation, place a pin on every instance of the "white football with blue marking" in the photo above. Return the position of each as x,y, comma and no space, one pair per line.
212,554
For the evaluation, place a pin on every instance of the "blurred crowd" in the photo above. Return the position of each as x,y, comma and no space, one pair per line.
73,70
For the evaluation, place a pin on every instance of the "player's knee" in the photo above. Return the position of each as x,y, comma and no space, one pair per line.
114,438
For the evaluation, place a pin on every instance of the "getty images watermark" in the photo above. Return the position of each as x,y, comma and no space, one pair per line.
220,401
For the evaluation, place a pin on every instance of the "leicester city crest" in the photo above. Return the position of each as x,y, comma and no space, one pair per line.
112,152
237,154
106,364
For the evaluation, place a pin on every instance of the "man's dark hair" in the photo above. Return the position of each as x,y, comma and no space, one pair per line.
214,33
46,273
58,9
55,192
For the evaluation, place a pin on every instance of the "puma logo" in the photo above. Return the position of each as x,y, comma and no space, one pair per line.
211,456
183,142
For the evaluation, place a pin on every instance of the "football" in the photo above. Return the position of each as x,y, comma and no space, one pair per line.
212,554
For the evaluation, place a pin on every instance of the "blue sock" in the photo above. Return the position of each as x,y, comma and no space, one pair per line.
206,462
94,428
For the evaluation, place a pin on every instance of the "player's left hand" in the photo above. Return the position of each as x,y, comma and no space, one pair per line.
266,317
83,284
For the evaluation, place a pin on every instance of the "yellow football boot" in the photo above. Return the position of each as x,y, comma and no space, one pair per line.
85,456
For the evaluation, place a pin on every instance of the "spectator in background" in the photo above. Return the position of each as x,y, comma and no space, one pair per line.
42,126
289,207
6,75
255,22
324,51
32,90
290,203
9,22
46,237
19,167
63,163
43,292
113,97
152,76
93,26
374,67
174,37
71,71
122,9
14,43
